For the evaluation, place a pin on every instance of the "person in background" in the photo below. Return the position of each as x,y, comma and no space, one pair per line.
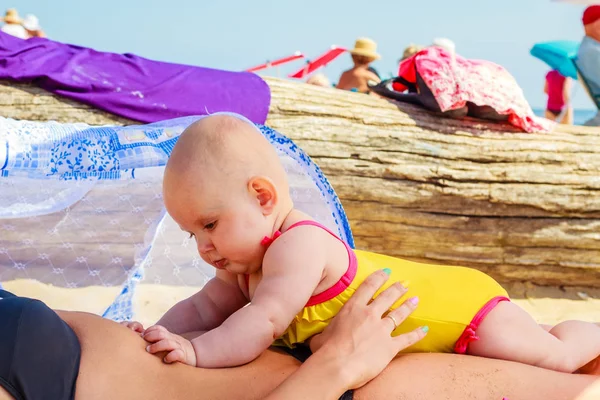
558,89
32,26
319,80
12,24
588,55
357,78
410,50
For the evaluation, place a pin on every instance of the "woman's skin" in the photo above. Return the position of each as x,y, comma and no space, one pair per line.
115,365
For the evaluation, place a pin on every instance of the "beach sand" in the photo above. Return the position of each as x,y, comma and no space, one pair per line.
548,305
150,302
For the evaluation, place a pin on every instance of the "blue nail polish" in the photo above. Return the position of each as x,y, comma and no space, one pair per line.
387,271
425,328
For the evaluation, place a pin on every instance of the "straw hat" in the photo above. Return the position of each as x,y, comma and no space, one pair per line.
31,23
365,47
12,16
410,50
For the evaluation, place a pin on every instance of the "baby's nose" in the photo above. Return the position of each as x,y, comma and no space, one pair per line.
204,246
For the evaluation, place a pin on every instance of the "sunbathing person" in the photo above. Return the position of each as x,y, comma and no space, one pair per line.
358,77
64,355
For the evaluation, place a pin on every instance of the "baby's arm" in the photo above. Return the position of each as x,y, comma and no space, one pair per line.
207,309
292,269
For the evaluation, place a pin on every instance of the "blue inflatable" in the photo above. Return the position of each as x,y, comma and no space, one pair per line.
81,206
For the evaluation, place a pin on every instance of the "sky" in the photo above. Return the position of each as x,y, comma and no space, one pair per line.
236,34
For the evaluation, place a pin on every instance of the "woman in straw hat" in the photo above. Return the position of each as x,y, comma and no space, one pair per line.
410,51
46,354
12,24
357,78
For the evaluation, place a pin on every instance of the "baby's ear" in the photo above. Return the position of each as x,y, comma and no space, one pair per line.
263,189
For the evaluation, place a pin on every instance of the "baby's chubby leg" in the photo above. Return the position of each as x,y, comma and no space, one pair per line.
508,332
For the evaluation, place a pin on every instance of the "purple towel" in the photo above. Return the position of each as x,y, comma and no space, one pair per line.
132,86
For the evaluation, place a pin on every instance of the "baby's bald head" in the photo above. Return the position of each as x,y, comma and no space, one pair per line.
226,150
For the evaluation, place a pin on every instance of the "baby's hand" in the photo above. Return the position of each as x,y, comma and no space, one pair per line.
178,348
134,326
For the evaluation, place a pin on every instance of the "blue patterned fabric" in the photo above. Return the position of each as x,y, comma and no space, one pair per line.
82,206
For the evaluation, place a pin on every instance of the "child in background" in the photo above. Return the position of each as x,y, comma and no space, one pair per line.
558,89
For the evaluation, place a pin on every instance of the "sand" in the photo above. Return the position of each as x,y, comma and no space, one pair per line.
548,305
151,301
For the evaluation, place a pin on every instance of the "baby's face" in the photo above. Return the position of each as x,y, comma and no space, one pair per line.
227,223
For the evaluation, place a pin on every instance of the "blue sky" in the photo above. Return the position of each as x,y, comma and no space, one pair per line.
238,34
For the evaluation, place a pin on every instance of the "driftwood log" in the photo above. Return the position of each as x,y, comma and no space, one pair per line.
521,207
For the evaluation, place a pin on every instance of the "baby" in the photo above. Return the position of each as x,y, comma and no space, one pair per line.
281,276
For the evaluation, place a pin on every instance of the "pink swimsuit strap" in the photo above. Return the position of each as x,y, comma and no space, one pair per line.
470,333
344,281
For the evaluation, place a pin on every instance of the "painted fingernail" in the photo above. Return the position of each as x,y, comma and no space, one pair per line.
404,283
387,271
148,349
425,328
414,300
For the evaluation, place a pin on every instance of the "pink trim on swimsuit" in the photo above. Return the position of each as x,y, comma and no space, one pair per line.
266,241
470,333
344,281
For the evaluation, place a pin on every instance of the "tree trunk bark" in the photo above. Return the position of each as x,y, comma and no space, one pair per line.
518,206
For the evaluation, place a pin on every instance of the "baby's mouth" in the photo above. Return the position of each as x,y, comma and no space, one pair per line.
220,264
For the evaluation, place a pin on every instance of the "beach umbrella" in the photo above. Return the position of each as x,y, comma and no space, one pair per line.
280,61
559,55
318,62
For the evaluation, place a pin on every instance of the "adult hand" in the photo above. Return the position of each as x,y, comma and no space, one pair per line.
360,334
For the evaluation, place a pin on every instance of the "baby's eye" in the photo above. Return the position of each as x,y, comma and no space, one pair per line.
210,226
191,235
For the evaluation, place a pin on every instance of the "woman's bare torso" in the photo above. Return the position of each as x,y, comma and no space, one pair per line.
4,394
114,364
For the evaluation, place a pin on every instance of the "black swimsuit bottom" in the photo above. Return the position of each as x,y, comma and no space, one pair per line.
39,352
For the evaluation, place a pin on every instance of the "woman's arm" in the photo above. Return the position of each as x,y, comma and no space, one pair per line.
435,376
355,347
322,376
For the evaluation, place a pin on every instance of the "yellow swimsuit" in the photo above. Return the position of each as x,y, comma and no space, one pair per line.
452,300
